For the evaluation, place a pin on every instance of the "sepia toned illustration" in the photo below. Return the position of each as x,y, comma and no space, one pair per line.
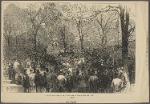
68,47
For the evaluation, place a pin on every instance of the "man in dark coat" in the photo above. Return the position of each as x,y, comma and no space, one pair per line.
26,82
76,81
38,81
44,81
9,70
52,82
105,81
12,73
69,82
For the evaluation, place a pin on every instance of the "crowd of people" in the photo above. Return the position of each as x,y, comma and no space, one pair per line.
111,80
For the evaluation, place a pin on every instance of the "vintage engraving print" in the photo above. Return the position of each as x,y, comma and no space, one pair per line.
72,52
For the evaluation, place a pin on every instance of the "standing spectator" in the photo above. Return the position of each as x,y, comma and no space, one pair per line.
104,81
9,70
44,82
52,81
26,82
77,80
48,80
10,67
16,65
125,79
19,78
12,73
32,83
38,81
21,68
69,82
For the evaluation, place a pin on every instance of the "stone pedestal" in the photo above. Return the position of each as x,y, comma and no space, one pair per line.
8,87
6,81
12,88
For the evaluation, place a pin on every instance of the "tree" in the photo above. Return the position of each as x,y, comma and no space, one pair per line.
8,28
65,36
126,32
51,25
125,24
14,24
107,25
78,18
35,17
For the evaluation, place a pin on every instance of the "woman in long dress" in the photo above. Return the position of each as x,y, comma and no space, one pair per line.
126,82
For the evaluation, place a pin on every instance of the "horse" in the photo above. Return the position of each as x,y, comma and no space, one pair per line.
61,82
116,85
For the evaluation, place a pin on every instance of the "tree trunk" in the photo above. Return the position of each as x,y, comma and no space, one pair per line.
82,46
8,51
124,17
81,40
35,50
123,32
124,28
79,28
16,47
34,43
64,39
126,36
126,42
